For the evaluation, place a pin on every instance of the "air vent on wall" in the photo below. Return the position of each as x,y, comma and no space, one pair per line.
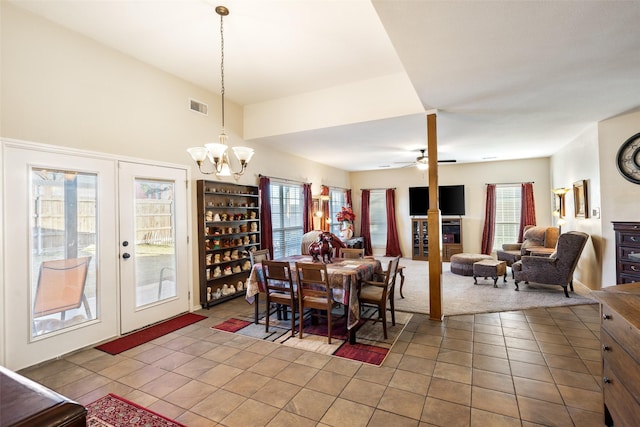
198,107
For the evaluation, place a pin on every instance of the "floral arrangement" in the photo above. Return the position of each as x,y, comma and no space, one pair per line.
346,214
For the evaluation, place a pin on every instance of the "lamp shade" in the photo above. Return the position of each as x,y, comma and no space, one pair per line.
243,154
216,150
198,154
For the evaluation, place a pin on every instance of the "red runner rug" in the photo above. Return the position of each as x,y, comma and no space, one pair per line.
115,411
152,332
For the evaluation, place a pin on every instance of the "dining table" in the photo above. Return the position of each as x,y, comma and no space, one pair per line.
345,276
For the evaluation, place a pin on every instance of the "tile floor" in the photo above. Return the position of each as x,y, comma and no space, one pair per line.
520,368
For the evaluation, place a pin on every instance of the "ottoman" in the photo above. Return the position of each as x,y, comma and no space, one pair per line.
462,264
489,268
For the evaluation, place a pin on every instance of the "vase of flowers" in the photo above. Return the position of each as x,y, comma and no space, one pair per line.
346,218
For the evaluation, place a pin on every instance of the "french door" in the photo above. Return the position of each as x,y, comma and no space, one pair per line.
59,209
153,244
70,281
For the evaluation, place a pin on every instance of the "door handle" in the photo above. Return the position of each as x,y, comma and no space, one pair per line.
126,255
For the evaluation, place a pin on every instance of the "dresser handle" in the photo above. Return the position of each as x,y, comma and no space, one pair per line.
606,348
634,268
635,227
606,316
606,380
633,238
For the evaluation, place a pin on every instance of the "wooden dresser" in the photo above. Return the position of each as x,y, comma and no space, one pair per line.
620,339
25,403
627,251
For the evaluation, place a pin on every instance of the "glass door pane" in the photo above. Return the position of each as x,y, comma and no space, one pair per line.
63,256
155,260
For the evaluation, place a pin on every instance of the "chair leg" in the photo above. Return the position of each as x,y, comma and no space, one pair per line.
293,320
329,325
383,313
266,320
393,312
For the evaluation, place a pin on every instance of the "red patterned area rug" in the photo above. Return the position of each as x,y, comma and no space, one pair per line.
147,334
371,347
115,411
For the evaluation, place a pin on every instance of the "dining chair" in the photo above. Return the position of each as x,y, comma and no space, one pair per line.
259,255
314,292
61,287
351,253
380,292
279,289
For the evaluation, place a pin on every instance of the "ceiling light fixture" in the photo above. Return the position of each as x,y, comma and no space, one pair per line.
422,162
217,151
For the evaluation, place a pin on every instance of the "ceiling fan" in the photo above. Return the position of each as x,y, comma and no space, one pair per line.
422,161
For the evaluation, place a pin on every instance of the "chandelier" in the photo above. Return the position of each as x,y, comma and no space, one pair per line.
217,151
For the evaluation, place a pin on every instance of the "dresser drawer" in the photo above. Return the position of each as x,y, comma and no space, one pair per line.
624,409
614,324
625,251
629,238
630,268
616,359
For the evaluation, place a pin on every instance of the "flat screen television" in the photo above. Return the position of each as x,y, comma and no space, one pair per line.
450,197
418,201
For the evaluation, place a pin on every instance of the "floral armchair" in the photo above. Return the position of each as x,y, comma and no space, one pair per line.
535,237
556,269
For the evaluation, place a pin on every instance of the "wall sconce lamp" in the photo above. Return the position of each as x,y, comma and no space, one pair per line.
559,212
217,151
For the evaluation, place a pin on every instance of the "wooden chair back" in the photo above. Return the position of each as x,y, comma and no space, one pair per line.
259,255
279,289
352,253
314,291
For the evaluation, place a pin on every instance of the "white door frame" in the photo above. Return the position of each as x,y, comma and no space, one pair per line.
109,254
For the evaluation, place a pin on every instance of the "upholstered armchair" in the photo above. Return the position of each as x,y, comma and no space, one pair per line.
556,269
534,238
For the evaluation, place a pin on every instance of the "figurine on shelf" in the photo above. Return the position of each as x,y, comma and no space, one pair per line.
246,265
240,286
254,238
209,216
223,217
216,258
237,269
209,259
216,217
232,289
234,254
227,256
209,296
217,272
227,270
218,293
225,289
254,226
253,215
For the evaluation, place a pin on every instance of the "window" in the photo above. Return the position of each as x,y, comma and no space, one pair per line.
507,215
378,218
336,202
286,218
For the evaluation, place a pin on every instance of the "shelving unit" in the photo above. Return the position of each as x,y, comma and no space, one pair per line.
228,230
451,238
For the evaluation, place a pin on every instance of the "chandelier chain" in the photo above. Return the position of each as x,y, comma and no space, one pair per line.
222,65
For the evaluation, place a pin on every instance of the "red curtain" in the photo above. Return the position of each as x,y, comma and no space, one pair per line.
489,220
266,232
527,208
347,196
365,231
307,209
324,201
393,245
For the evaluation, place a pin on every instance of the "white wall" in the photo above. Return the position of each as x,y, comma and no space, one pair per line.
64,89
579,161
620,198
474,176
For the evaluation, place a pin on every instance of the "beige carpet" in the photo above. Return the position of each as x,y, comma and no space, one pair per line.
461,296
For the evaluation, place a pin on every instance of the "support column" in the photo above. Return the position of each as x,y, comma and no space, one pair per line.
434,228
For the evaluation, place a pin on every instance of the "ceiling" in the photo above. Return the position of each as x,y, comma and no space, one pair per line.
508,80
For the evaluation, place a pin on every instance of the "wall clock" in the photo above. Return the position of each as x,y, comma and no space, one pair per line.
629,159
